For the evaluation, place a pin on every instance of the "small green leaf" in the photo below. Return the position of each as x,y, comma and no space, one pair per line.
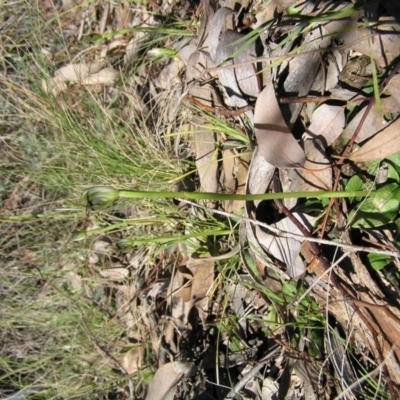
378,210
271,317
354,183
378,261
397,225
392,174
395,159
146,374
161,52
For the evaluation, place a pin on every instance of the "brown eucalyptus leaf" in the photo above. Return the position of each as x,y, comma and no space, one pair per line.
166,379
132,360
235,170
224,43
326,126
221,21
180,308
203,144
276,143
203,277
86,74
328,122
259,177
382,145
209,7
317,172
115,274
270,9
203,140
232,42
304,69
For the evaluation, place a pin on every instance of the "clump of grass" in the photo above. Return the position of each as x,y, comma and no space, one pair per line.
58,336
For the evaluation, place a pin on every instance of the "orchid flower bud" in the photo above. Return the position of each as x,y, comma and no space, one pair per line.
99,197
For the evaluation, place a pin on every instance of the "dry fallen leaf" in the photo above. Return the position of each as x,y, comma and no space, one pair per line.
235,169
374,121
317,172
166,379
225,42
132,360
203,139
115,274
203,277
327,121
382,145
276,143
326,126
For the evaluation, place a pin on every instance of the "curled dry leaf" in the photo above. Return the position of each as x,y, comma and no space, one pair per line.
382,145
259,177
276,143
317,172
328,122
202,139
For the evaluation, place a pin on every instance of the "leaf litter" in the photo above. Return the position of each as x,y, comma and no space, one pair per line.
308,162
181,310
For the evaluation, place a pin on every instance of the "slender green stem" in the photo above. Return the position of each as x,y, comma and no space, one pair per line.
223,196
101,196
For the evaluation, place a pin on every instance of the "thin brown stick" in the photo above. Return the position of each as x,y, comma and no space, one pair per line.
304,99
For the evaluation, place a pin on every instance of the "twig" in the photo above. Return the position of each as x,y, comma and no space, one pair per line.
303,99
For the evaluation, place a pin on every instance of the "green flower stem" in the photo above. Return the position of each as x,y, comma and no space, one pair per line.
131,194
99,197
